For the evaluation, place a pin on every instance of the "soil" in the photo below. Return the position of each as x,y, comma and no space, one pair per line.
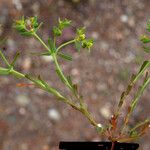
31,119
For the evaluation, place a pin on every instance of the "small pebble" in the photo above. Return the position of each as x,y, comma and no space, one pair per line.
105,111
22,100
104,45
75,72
27,63
54,114
95,35
101,86
11,45
124,18
47,59
17,4
22,111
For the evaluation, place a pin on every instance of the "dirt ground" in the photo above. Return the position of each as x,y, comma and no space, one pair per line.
31,119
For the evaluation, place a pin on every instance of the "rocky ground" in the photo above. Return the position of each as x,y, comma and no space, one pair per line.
31,119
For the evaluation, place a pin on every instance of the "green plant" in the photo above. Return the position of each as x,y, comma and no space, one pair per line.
146,39
112,131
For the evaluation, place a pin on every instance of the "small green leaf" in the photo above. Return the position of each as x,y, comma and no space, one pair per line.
78,45
132,78
65,56
81,31
15,59
145,39
64,23
51,45
41,54
144,66
133,134
75,88
69,80
129,88
57,31
60,75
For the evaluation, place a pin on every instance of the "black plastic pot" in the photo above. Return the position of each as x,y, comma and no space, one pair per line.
97,146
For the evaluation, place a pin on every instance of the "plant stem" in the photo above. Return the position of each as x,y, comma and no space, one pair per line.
65,44
134,102
42,42
131,84
17,74
81,109
4,59
139,125
60,71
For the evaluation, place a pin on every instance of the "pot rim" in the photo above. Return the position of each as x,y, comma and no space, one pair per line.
96,144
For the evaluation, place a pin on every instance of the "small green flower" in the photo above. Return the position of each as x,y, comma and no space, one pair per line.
88,43
63,23
57,31
27,26
80,34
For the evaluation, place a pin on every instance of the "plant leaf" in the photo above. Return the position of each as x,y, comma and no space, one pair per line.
78,45
15,59
51,45
41,54
144,66
60,75
65,56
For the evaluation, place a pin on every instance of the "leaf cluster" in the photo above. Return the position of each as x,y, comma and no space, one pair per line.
27,26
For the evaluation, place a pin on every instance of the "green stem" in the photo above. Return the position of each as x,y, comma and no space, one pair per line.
134,102
132,83
81,109
60,71
4,59
65,44
139,125
55,61
42,42
17,74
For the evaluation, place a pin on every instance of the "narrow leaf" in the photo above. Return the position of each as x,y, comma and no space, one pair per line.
69,80
65,56
41,54
140,124
15,59
144,66
60,75
51,45
78,45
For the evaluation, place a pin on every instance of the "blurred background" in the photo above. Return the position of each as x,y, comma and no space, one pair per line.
31,119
